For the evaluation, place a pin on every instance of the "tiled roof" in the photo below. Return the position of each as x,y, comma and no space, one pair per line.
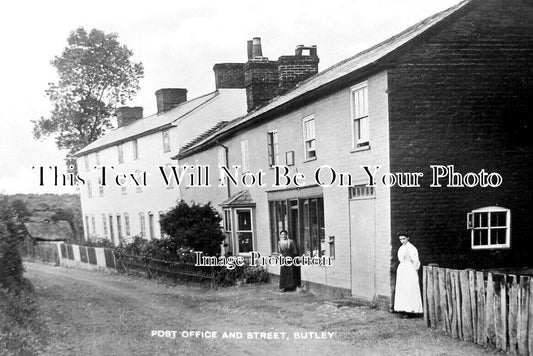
199,138
147,124
242,198
350,65
50,231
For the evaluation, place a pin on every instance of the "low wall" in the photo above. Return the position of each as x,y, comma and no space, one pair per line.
86,257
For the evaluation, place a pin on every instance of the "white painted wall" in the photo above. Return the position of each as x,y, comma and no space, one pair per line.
229,104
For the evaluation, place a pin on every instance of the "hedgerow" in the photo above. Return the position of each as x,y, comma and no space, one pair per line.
22,331
12,233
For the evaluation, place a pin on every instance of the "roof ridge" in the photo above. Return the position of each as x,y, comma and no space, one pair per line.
169,110
133,125
394,41
409,29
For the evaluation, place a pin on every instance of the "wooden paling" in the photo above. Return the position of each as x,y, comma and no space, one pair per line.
485,308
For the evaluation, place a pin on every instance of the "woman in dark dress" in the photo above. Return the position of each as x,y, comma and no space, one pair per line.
289,276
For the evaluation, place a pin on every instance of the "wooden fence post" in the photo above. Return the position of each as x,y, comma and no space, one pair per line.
473,304
466,311
513,314
443,304
458,304
489,312
481,297
436,296
431,301
500,310
523,311
530,317
148,271
450,297
424,294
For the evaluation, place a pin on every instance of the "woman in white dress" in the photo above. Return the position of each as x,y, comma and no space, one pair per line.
407,293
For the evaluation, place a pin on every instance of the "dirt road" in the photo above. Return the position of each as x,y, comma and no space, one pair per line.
98,313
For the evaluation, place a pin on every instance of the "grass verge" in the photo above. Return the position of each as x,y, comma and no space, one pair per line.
22,329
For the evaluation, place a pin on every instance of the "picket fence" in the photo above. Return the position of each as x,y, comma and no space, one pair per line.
485,308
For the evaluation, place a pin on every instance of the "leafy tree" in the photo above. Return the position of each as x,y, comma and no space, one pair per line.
194,226
74,218
21,208
95,75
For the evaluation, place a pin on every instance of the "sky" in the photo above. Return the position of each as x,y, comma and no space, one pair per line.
178,43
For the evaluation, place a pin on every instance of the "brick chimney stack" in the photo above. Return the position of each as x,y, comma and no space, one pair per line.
169,98
126,115
229,75
261,77
265,79
297,68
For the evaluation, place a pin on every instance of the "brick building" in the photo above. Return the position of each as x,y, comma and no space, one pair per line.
452,90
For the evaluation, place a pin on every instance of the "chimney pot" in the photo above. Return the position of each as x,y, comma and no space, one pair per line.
302,50
256,47
249,46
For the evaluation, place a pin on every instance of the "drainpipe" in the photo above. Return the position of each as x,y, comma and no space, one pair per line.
226,159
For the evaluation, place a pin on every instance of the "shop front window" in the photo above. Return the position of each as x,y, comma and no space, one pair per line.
304,220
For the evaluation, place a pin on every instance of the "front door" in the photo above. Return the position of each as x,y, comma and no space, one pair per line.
362,226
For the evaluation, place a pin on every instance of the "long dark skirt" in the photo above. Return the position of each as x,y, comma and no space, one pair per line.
289,277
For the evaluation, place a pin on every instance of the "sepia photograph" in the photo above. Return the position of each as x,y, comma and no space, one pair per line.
266,178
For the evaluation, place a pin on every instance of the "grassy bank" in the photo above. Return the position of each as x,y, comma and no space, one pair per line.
22,330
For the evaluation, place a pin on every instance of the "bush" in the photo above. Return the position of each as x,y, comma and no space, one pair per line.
97,242
74,218
166,249
137,247
241,274
20,208
21,327
163,249
193,227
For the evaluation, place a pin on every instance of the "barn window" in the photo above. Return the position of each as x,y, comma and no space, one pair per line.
490,227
